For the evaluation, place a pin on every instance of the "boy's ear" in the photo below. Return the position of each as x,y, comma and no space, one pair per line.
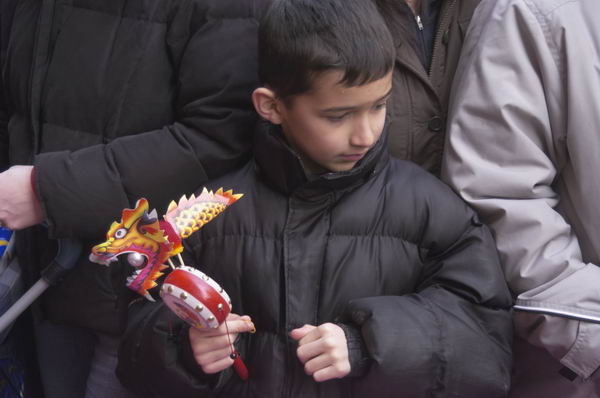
267,104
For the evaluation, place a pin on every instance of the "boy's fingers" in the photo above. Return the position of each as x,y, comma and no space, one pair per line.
208,358
238,325
233,316
313,334
208,340
300,333
331,372
317,363
309,350
218,366
208,344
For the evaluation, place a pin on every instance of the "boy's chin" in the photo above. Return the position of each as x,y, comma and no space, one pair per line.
340,167
333,167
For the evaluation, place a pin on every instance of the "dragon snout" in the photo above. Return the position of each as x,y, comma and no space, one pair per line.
103,248
100,254
99,249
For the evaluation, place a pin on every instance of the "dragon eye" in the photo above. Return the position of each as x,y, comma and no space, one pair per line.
120,233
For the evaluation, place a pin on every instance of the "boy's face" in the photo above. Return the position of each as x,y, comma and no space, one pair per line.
333,126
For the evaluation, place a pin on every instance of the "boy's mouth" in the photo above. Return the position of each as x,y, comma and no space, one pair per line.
353,157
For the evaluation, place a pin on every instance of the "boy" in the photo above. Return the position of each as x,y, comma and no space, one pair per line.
362,275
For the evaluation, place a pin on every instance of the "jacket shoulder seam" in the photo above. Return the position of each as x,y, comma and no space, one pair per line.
543,16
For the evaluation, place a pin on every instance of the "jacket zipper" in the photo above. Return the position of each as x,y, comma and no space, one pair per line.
286,382
420,26
419,23
436,40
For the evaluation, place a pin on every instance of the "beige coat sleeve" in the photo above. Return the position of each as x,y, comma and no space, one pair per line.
507,155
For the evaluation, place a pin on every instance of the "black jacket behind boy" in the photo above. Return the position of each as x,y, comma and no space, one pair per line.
384,248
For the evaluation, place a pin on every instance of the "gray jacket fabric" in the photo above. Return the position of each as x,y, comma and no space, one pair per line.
524,150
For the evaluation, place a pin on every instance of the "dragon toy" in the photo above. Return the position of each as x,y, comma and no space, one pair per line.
150,242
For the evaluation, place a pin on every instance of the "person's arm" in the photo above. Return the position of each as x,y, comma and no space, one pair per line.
156,357
16,187
3,129
211,135
6,12
505,148
453,335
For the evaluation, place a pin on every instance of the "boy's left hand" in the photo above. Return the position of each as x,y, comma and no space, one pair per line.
323,350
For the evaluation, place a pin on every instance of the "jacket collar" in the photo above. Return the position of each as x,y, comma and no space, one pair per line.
282,168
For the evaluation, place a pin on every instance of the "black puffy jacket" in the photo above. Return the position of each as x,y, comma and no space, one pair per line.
114,100
384,248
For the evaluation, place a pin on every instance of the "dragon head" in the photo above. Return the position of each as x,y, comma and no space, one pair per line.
149,242
141,235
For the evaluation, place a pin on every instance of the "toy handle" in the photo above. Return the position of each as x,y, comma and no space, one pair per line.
239,366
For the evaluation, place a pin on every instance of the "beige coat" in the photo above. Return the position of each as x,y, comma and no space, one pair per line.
524,150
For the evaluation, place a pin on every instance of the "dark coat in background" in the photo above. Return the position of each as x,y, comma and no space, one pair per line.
112,101
384,249
418,107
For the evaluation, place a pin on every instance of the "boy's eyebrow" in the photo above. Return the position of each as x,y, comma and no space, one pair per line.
349,108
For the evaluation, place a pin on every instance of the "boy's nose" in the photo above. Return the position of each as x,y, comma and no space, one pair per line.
364,134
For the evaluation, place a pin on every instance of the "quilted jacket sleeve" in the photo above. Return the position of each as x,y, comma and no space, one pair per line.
6,10
453,336
3,132
156,359
214,47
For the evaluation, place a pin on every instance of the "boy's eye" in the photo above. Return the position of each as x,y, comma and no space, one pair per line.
380,106
336,118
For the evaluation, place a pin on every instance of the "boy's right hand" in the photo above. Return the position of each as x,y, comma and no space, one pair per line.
211,347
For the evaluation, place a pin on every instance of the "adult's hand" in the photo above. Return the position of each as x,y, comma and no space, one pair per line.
19,205
323,350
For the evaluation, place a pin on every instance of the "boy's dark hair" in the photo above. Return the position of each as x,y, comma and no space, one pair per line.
300,38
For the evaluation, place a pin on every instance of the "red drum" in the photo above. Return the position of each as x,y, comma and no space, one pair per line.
195,297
